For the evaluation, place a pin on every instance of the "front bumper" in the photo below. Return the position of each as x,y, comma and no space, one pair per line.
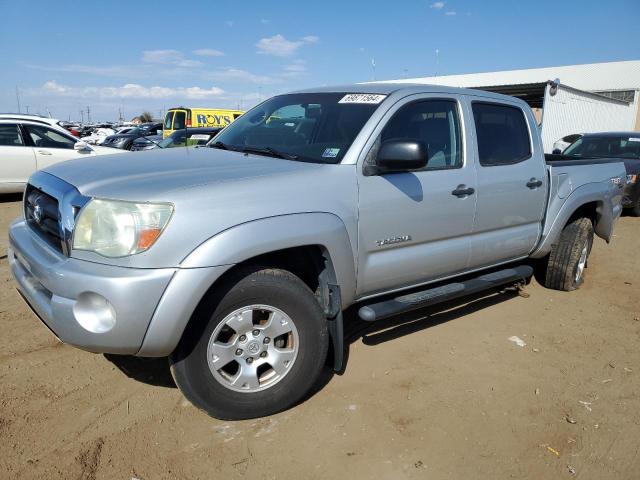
52,285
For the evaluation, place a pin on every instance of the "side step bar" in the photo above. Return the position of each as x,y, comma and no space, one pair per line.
412,301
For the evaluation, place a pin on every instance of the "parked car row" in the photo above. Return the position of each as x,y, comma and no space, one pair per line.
124,139
180,138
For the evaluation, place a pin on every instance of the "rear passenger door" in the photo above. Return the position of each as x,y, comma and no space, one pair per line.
512,183
17,160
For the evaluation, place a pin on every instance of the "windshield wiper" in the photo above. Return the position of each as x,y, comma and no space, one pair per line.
219,145
272,152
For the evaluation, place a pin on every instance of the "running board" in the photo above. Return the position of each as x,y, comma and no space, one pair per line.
412,301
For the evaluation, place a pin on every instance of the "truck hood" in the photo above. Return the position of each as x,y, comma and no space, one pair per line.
151,174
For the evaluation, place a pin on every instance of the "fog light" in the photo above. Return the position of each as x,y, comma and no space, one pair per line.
94,312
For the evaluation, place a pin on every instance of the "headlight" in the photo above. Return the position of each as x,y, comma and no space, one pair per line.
632,178
114,228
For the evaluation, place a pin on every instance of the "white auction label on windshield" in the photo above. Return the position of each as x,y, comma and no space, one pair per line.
372,98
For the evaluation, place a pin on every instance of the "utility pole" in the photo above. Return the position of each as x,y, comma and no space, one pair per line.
18,98
27,107
82,116
88,115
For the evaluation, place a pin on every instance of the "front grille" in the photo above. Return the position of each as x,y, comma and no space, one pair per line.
42,214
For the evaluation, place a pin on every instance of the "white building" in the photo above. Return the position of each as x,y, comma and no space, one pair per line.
586,98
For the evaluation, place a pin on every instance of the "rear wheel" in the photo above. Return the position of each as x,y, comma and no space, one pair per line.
257,350
568,258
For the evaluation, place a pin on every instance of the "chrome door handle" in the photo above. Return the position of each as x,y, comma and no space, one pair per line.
462,191
44,152
534,183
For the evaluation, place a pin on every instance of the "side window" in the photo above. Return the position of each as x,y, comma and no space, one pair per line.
167,121
502,133
433,122
49,138
10,135
179,120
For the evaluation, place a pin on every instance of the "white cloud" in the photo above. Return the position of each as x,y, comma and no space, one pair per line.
264,21
437,5
295,69
129,90
450,14
279,46
238,75
168,57
229,23
208,52
102,70
297,66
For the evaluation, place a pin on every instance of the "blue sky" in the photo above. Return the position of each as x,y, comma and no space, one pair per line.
135,56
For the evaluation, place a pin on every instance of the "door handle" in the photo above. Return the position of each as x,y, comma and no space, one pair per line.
44,152
462,191
534,183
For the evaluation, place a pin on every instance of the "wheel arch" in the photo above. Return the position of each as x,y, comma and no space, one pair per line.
315,247
587,201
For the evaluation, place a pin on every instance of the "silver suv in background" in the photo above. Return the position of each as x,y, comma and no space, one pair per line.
237,261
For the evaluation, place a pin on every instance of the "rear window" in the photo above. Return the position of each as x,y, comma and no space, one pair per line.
502,133
167,121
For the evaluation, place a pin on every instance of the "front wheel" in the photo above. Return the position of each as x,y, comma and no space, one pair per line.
258,350
568,258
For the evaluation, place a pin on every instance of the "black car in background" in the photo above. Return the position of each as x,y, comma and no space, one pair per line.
146,143
125,140
185,137
623,146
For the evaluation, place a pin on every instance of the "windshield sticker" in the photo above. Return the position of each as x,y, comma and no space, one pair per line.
199,136
634,139
370,98
331,153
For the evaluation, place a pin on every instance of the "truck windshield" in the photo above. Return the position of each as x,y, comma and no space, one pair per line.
311,127
605,146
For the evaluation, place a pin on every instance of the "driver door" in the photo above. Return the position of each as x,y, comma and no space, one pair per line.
412,227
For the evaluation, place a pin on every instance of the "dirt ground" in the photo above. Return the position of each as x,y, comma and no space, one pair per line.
445,396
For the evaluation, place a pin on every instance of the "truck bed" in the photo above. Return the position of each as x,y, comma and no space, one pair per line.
560,161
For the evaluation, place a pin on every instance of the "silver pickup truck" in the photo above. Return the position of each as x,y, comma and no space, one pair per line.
237,260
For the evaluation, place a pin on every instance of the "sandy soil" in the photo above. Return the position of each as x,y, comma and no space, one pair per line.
446,396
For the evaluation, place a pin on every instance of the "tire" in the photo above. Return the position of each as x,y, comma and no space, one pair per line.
568,258
268,295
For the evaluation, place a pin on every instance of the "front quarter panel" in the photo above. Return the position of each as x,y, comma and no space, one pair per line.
211,259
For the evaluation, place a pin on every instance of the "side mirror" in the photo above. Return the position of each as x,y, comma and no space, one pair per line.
81,146
557,151
401,156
